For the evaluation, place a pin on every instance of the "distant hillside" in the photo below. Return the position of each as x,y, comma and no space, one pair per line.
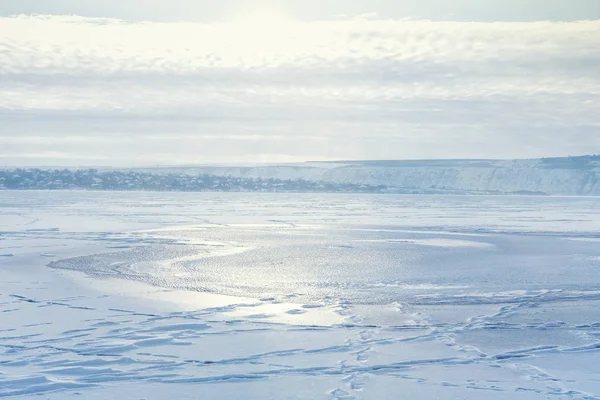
127,180
554,176
573,176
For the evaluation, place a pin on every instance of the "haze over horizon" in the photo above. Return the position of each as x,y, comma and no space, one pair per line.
189,82
243,164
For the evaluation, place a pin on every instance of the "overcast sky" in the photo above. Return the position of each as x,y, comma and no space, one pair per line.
188,81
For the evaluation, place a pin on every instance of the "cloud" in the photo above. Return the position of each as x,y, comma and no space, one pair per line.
310,10
364,88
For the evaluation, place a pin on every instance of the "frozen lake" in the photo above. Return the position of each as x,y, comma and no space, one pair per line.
374,259
362,296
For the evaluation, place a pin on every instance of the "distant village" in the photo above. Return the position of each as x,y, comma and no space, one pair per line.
92,179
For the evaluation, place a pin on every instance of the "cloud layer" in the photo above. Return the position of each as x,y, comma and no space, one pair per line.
120,92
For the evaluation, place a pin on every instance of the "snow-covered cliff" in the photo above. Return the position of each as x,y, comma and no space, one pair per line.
554,176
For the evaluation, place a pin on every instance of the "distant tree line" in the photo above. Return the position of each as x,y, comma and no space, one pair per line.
92,179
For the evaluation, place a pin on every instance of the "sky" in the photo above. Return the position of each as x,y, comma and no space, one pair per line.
156,82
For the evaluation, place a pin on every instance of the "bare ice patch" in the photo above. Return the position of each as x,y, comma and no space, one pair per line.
436,242
418,286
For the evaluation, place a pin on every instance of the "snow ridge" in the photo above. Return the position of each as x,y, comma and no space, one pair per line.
552,176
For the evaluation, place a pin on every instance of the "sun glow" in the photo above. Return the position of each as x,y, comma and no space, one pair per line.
257,32
265,19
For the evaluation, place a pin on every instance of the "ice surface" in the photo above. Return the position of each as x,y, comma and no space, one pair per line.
256,296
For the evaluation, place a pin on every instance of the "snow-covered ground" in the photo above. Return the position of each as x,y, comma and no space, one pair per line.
289,296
